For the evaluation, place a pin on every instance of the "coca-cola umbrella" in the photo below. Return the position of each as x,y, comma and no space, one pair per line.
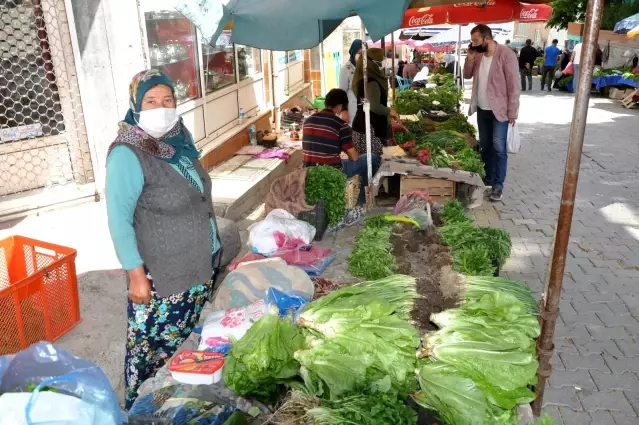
493,11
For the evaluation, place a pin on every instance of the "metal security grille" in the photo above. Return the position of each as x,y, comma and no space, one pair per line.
43,138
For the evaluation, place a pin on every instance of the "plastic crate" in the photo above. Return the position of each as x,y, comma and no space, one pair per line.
316,218
38,292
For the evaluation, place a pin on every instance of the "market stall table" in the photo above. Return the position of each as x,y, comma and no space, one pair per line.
613,80
469,186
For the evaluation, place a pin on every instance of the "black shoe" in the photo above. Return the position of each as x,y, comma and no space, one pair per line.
542,88
486,183
549,90
496,195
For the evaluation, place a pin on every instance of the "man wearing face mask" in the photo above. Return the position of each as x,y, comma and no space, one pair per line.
495,96
326,136
162,225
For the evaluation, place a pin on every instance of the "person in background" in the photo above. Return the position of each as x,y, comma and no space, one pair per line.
162,223
510,46
495,97
400,69
326,136
575,59
387,64
411,70
346,78
527,58
551,57
421,78
378,99
599,57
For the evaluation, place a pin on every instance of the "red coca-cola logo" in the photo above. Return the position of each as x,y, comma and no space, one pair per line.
528,14
476,4
420,21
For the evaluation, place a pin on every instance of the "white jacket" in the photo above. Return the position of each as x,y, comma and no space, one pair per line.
346,84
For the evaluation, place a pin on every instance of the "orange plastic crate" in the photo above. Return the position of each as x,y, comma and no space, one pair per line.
38,292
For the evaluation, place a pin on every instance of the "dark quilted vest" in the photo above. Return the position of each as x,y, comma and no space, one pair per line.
172,226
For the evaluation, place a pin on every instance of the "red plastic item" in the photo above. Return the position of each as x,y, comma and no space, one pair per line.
197,362
38,292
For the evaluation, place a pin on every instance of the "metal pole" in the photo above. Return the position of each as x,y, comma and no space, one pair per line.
322,70
458,65
550,309
393,76
367,114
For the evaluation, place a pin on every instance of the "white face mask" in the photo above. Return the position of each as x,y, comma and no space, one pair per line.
157,122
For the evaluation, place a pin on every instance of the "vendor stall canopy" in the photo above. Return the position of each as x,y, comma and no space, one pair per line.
296,24
289,24
628,26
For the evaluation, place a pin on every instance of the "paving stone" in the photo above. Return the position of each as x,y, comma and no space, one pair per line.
581,319
565,345
601,417
613,401
553,412
579,379
572,331
608,382
589,307
621,419
577,362
562,397
628,348
633,398
616,319
602,333
571,417
620,365
598,297
587,347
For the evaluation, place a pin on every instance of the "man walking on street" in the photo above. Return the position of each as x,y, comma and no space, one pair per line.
551,57
495,97
527,58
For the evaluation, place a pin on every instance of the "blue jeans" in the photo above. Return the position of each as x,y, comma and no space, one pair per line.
492,142
575,78
360,168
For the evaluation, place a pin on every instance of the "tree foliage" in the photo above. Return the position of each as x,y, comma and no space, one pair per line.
566,11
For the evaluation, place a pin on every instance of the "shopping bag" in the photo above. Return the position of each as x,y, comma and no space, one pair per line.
513,143
569,70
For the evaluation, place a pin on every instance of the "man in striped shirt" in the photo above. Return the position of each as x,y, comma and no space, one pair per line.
326,135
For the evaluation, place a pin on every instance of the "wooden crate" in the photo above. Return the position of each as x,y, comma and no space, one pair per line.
440,190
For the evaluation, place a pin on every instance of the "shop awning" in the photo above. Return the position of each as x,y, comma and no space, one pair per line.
445,40
289,24
491,11
627,25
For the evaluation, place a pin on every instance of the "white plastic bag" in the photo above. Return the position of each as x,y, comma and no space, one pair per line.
50,408
223,326
266,236
513,143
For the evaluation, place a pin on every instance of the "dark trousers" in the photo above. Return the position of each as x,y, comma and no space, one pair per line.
492,142
549,73
526,74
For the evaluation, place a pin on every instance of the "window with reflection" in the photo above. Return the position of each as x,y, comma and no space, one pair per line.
249,61
219,63
171,39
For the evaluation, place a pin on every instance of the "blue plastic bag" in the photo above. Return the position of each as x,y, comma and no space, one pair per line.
285,303
43,365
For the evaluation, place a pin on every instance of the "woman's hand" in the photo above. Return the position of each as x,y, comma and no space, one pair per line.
394,115
139,286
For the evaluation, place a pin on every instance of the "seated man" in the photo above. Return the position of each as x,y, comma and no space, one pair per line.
326,135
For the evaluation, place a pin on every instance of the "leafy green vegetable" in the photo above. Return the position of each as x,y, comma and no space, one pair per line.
454,212
473,260
263,358
443,139
498,243
471,161
458,234
459,123
455,398
327,183
442,98
360,339
371,257
363,409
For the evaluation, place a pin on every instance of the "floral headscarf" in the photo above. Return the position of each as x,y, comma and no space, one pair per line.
175,144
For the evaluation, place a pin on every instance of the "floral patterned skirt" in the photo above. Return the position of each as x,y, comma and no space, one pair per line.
156,331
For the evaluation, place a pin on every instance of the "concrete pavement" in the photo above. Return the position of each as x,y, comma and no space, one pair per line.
596,365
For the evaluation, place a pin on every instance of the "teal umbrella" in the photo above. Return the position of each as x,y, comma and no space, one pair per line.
289,24
627,24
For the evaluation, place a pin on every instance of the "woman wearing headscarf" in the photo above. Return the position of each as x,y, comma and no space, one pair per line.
378,99
346,78
162,225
